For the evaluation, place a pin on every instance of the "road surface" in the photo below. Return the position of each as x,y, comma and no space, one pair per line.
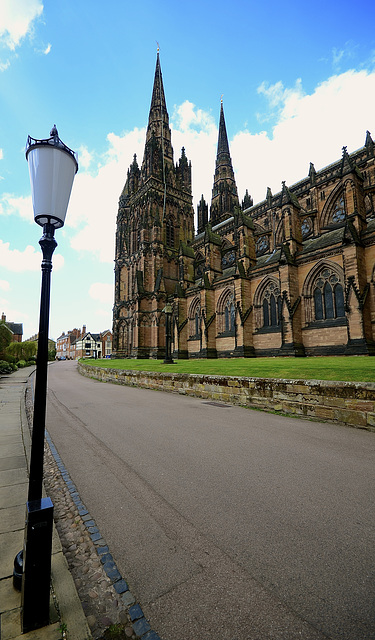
226,522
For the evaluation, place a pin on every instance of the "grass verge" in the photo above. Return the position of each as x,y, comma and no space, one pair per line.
346,368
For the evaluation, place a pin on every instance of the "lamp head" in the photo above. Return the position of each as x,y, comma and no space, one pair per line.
52,167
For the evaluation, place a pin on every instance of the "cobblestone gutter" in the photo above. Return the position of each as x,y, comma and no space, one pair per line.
351,403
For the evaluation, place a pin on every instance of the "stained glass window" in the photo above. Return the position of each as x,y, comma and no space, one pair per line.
328,300
338,214
328,296
339,301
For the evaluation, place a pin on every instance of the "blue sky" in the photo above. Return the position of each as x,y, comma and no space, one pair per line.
298,83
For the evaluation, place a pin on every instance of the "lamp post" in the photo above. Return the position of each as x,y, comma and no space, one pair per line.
52,167
168,334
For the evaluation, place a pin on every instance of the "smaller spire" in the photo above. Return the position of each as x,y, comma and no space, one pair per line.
369,144
287,197
269,196
202,215
346,163
312,174
247,202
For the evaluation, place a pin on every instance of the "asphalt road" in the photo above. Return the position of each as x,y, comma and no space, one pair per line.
227,523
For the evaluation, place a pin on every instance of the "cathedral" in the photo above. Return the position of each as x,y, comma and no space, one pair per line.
291,276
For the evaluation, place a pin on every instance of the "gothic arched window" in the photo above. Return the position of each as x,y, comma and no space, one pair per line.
195,320
226,313
339,301
328,296
271,306
318,303
328,300
197,323
266,313
338,214
229,317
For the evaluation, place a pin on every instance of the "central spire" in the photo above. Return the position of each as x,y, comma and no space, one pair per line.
158,98
158,149
222,144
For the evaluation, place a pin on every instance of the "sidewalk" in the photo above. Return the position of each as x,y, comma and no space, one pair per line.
65,605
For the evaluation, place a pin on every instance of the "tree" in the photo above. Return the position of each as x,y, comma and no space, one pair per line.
5,338
23,350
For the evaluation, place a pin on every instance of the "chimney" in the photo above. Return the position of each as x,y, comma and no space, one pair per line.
83,329
3,317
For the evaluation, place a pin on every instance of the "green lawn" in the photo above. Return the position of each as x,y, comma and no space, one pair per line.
348,368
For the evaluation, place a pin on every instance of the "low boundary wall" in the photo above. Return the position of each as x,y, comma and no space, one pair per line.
351,403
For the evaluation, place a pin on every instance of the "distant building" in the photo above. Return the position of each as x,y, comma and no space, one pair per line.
106,339
293,275
16,328
79,343
66,344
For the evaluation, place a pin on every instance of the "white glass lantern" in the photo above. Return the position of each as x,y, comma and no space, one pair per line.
52,167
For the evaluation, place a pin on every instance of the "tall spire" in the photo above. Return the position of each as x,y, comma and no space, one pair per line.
158,150
158,98
224,192
222,144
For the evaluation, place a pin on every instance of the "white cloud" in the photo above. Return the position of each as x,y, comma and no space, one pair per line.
101,313
102,292
4,65
85,158
13,314
22,206
16,20
47,49
196,131
94,200
4,285
26,260
309,128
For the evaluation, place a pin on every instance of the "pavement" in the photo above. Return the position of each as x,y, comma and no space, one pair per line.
65,606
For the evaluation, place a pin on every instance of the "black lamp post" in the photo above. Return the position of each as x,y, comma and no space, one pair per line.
52,167
168,334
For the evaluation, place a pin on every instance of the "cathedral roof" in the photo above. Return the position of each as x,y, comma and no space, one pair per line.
327,239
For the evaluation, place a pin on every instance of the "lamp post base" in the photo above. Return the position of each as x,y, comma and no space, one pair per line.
36,578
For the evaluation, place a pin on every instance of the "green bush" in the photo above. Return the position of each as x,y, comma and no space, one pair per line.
21,363
5,367
30,363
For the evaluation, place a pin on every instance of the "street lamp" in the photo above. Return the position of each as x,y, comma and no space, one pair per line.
168,334
52,167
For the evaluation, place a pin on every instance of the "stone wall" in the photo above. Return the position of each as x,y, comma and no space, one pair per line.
351,403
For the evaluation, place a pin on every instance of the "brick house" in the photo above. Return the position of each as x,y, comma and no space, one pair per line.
66,344
16,328
106,340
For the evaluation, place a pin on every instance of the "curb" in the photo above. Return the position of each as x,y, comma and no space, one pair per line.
140,624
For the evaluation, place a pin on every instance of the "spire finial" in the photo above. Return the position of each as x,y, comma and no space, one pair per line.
221,99
158,48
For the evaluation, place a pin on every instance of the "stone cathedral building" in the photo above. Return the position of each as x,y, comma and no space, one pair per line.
293,275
